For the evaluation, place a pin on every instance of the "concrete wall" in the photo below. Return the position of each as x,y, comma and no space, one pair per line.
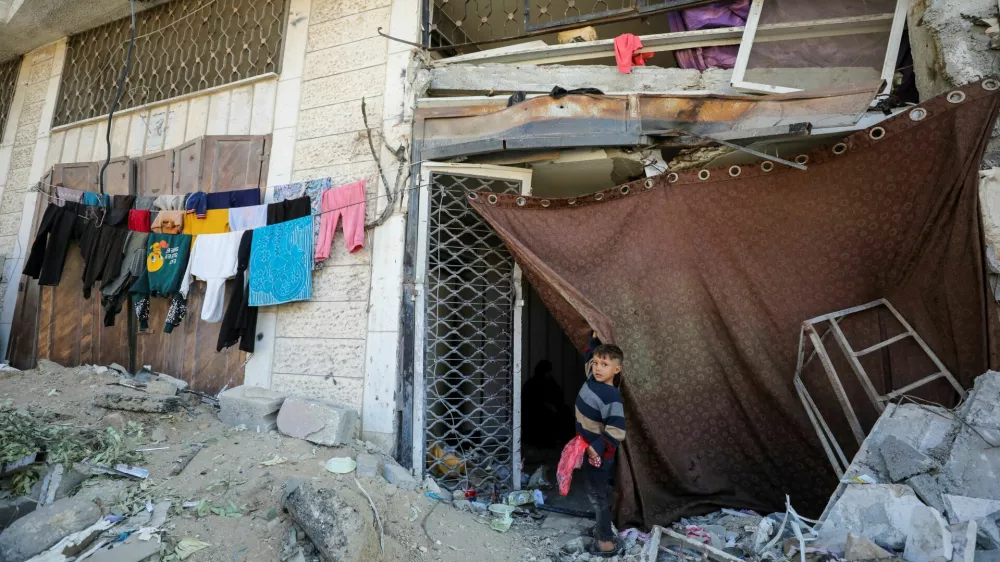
22,162
342,344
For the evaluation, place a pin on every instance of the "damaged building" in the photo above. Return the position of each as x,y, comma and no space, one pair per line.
747,170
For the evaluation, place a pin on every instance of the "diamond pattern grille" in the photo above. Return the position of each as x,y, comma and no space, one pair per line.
469,359
181,47
8,83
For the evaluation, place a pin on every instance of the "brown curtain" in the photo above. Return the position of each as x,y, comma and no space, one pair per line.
705,281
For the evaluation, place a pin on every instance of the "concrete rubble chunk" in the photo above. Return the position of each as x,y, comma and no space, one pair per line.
138,402
395,474
181,385
367,465
161,388
132,550
903,460
319,422
46,526
250,406
962,508
986,556
929,489
335,527
988,536
859,548
48,367
982,407
878,512
973,465
929,539
963,540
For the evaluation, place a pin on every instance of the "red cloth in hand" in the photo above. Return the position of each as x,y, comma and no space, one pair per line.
571,459
626,46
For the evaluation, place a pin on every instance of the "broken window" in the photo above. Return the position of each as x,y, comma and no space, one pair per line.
789,45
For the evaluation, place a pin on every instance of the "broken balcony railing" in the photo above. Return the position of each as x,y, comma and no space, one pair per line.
810,336
462,22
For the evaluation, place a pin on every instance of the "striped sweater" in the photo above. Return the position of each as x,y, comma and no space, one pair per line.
600,415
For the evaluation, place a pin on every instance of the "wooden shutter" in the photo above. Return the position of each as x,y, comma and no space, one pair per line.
155,173
188,166
119,177
82,175
235,162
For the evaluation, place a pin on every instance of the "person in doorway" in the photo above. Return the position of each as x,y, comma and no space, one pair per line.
544,407
600,421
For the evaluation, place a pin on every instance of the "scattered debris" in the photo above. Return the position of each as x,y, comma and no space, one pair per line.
161,387
277,459
250,406
401,477
44,527
367,465
334,526
138,402
381,531
186,547
185,459
341,465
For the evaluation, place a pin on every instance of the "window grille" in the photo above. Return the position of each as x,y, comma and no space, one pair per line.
8,84
181,47
469,340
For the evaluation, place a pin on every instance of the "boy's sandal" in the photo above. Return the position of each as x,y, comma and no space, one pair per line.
594,549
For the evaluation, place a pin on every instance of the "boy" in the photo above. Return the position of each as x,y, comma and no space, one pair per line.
600,420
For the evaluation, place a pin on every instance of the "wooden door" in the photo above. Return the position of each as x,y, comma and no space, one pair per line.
210,164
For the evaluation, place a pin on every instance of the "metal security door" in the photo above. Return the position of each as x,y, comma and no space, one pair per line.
467,355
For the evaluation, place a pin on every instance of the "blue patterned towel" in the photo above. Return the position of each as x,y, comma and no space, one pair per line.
281,262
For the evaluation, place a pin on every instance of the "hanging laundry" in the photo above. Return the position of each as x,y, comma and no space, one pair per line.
348,203
213,260
133,265
144,202
314,190
719,14
96,200
281,263
168,222
230,199
175,312
64,194
288,210
48,252
101,248
626,46
216,221
166,260
168,203
239,323
247,218
139,220
196,204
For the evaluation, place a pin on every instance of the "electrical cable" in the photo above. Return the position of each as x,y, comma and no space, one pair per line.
118,95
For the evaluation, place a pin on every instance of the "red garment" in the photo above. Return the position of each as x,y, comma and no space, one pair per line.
570,460
138,220
626,46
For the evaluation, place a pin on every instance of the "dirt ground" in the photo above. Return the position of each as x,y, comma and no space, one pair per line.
229,471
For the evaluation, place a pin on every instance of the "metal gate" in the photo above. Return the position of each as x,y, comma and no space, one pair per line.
467,388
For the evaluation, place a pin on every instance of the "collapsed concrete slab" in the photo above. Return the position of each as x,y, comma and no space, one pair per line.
138,402
903,460
319,422
973,464
961,508
929,489
44,527
929,539
988,534
878,512
250,406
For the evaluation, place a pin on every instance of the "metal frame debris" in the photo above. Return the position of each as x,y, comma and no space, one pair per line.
809,333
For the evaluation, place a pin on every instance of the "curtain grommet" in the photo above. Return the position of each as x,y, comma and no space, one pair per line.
545,203
840,148
648,184
767,166
672,177
492,199
624,190
599,197
704,175
991,84
472,195
571,202
735,171
957,96
918,114
802,159
876,133
521,201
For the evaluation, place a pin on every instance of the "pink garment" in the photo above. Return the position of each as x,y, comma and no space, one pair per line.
732,13
347,201
626,46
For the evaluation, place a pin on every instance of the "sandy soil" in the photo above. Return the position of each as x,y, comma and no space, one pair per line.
229,470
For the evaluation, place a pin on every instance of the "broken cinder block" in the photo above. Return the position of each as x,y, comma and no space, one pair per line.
250,406
318,422
929,539
138,402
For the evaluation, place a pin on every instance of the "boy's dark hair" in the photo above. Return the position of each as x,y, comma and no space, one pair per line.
610,351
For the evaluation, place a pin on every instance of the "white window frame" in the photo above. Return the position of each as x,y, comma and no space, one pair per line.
522,175
853,26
